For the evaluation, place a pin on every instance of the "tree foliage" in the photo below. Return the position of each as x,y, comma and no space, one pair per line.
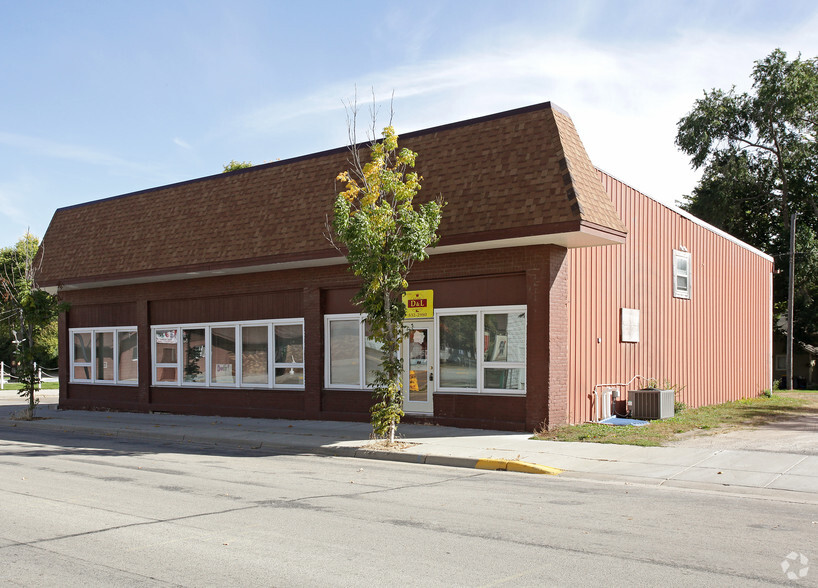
384,234
29,314
234,165
760,159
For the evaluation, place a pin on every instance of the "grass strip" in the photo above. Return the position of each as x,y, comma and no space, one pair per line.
748,412
46,386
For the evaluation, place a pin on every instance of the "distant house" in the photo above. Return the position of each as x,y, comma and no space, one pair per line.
552,280
804,355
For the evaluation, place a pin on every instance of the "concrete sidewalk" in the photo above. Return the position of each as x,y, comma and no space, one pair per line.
762,473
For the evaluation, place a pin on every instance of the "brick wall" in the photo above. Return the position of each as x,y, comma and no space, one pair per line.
535,276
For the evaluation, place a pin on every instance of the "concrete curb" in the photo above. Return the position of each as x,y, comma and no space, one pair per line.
628,469
515,465
290,448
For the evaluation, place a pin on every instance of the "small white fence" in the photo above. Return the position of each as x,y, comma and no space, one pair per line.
42,375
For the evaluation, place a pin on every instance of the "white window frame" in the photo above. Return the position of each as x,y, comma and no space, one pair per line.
176,365
360,319
270,384
362,339
274,365
683,293
209,355
480,312
93,331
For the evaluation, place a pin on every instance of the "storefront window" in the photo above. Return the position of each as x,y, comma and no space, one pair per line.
166,344
289,354
230,355
493,362
104,355
458,351
344,346
82,356
254,355
194,360
128,356
504,338
372,358
289,376
223,355
351,356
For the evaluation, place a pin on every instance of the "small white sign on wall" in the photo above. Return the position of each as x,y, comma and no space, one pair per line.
630,325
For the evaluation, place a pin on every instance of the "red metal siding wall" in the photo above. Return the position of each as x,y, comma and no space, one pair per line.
715,347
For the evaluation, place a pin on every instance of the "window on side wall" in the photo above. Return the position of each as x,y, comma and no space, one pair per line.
681,274
253,354
104,355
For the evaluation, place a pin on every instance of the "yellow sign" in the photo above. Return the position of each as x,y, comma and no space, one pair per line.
419,304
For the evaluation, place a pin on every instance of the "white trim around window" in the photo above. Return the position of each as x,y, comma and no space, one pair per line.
104,355
350,357
265,354
494,363
681,274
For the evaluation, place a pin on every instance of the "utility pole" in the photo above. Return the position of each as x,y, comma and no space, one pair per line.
790,297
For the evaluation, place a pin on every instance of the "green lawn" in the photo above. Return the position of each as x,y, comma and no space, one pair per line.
46,386
744,413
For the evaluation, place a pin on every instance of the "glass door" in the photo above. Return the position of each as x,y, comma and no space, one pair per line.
418,363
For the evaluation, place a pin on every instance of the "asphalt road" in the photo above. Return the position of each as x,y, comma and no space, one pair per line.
98,511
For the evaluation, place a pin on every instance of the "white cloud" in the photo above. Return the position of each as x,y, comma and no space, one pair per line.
182,143
625,99
66,151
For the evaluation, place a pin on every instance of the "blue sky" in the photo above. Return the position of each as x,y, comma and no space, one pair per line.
104,98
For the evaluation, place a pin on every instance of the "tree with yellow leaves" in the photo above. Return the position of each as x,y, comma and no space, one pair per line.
383,235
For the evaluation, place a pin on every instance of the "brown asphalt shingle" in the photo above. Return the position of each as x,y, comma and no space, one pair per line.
524,171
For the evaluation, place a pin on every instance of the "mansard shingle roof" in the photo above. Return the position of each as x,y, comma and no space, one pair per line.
522,174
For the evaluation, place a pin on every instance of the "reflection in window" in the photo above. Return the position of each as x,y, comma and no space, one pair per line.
82,356
493,361
223,358
344,343
289,344
373,354
351,356
128,356
254,353
105,355
230,355
458,351
289,355
504,378
289,376
166,344
194,359
505,342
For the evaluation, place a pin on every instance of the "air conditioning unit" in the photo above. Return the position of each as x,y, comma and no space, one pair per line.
652,404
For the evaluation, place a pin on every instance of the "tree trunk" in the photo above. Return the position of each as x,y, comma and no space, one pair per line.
390,333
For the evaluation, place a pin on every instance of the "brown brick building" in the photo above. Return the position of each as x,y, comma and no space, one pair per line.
222,295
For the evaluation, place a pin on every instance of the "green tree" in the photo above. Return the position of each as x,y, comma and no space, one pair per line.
29,312
760,159
234,165
384,234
